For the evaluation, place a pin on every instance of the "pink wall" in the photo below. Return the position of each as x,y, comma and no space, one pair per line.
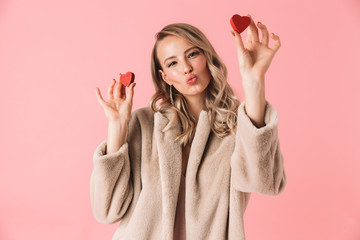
53,55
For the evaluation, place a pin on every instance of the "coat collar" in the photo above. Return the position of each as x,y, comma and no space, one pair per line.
170,161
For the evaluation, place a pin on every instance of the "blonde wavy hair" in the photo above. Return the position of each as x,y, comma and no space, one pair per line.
220,99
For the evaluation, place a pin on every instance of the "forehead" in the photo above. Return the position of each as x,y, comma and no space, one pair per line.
172,46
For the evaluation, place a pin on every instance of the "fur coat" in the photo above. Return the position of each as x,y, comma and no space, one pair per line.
138,185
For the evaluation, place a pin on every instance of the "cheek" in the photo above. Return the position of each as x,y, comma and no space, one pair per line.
202,64
174,75
170,72
204,69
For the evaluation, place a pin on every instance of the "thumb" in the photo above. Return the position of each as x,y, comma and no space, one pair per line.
242,52
238,41
99,97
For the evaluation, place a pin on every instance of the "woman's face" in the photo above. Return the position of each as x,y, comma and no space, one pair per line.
179,60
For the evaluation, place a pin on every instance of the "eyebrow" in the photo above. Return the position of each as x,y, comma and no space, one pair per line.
184,52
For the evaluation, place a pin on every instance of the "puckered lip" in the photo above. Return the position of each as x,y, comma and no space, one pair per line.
191,76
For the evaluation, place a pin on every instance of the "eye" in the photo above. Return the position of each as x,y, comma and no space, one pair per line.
195,53
191,54
171,64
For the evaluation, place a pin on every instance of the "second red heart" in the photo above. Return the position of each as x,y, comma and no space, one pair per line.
127,78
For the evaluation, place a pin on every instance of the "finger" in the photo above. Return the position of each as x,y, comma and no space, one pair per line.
130,93
117,90
277,42
265,34
252,32
111,90
99,97
121,89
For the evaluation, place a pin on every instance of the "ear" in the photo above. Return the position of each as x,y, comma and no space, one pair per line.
163,76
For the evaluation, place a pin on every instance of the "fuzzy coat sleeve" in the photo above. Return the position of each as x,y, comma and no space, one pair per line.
257,163
112,179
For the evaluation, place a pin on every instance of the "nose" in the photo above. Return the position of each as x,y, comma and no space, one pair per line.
187,67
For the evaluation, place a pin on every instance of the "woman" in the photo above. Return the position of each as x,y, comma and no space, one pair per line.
186,166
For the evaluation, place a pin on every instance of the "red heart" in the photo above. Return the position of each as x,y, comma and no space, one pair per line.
127,78
239,23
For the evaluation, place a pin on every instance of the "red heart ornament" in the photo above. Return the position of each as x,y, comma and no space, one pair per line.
239,23
127,78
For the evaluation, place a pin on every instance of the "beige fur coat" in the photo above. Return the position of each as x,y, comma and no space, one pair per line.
139,184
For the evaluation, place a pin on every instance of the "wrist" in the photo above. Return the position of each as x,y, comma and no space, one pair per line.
118,122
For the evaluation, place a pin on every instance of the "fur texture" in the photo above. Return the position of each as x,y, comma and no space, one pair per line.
139,184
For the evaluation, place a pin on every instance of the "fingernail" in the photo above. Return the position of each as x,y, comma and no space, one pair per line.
232,32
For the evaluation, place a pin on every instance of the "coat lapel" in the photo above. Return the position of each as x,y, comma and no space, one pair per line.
198,145
170,170
170,160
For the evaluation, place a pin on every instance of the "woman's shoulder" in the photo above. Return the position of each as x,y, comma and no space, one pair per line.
144,111
144,115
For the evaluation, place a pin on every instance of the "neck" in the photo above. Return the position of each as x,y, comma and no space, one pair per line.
196,104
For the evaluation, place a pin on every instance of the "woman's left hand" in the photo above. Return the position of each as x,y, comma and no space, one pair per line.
255,56
254,60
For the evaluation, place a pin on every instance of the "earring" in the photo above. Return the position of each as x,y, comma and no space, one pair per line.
171,97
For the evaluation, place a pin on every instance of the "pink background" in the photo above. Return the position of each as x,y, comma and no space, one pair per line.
54,53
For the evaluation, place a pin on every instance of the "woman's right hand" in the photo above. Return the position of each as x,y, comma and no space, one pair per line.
119,104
